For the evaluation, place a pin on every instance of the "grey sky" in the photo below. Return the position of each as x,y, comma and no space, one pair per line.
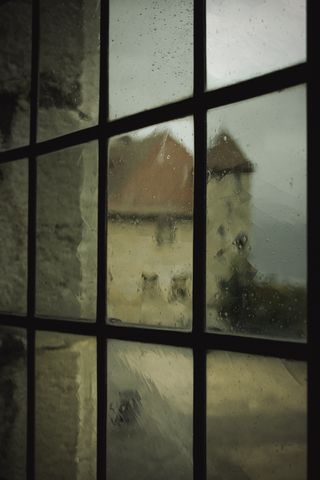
151,46
151,53
246,38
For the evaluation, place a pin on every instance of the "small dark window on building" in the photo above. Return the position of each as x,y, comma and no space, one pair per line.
165,230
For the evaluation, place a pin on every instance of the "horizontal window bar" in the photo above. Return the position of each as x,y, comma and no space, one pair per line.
49,324
15,154
52,145
12,320
285,78
257,346
258,86
150,335
198,340
269,83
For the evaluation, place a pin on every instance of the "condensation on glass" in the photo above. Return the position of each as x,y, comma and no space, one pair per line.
66,417
256,216
69,66
150,226
66,260
150,54
15,67
13,234
149,412
256,417
13,403
248,38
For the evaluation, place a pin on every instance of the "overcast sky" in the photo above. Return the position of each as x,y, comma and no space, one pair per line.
151,46
247,38
151,53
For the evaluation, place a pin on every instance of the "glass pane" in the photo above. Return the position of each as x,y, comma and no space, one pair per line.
151,54
248,38
13,402
256,216
150,222
66,414
256,418
69,66
15,67
67,233
13,234
149,417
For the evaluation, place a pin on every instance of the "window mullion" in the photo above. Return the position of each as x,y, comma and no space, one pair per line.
32,186
313,237
199,243
101,274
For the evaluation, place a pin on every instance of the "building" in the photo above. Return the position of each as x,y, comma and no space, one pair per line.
150,226
150,230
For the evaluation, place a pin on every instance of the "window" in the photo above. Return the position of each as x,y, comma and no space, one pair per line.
153,239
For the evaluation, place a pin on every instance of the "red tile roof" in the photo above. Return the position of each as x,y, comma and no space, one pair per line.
154,175
150,176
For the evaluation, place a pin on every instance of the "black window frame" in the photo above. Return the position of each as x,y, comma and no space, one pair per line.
198,339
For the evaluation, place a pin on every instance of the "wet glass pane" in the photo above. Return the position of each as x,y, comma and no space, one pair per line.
150,222
15,68
151,54
66,414
256,418
67,233
69,66
13,402
149,417
256,216
248,38
13,234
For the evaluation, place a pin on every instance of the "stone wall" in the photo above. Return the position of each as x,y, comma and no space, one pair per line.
69,61
15,68
67,184
13,404
13,234
66,233
66,407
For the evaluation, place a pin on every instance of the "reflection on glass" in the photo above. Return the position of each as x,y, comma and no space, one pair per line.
65,407
256,418
149,417
66,233
151,54
150,222
13,234
247,38
15,63
256,216
13,401
69,66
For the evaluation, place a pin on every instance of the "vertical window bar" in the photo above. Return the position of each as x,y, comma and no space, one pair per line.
32,184
34,71
313,108
30,401
101,279
199,243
